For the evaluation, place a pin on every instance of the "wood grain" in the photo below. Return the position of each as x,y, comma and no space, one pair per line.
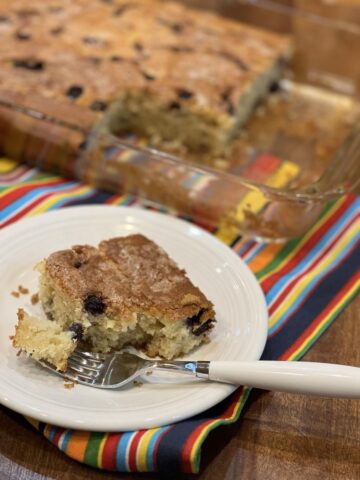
281,436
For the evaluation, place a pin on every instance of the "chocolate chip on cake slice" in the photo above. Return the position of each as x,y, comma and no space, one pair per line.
29,64
184,94
78,331
94,304
75,91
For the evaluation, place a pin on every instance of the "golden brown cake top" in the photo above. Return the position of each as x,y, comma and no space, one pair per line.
87,275
91,51
128,275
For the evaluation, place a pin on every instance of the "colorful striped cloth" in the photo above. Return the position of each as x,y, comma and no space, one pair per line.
307,282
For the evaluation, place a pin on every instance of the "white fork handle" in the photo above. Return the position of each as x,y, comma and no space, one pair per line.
298,377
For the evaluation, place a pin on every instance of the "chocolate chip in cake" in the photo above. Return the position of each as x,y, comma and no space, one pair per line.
117,58
184,94
203,328
94,304
174,106
29,64
99,106
78,331
138,46
74,92
78,264
195,319
22,36
274,87
56,31
177,27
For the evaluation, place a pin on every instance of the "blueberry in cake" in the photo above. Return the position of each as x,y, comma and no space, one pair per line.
161,69
127,291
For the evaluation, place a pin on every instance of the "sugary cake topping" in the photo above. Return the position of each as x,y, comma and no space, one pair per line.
153,273
89,51
126,274
85,274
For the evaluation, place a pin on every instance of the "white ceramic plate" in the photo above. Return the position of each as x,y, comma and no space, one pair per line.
240,332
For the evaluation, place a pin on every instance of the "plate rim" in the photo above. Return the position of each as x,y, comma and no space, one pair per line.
51,416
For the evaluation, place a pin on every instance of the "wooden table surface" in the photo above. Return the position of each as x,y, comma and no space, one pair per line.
281,436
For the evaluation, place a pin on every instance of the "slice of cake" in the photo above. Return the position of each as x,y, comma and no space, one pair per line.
177,75
125,292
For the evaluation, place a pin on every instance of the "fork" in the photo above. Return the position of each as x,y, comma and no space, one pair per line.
111,371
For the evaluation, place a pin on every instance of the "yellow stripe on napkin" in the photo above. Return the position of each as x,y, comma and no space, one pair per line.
7,165
255,200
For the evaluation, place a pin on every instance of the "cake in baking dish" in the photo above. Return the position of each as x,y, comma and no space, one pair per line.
177,75
127,291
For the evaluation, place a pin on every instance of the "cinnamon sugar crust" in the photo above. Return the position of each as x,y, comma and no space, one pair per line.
84,271
160,59
152,273
129,274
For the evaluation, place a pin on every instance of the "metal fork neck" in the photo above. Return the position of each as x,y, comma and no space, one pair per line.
198,369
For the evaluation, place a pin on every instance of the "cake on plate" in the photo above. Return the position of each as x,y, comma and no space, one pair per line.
125,292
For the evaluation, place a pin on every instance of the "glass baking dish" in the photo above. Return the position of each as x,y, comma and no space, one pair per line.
299,150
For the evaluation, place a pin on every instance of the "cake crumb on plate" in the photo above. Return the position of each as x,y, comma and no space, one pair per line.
23,290
34,298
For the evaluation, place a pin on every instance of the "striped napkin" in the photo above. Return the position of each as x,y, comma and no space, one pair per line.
307,282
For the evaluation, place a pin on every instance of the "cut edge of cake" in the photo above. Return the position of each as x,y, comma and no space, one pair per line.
177,124
43,340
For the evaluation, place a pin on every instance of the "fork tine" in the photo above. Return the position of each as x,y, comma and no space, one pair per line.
88,358
89,372
77,375
82,367
97,357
